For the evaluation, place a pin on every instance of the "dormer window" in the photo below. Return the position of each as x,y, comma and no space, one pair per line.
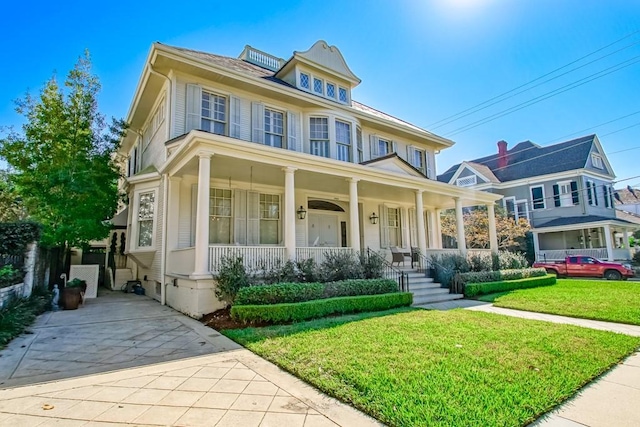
318,86
342,95
331,90
304,81
596,161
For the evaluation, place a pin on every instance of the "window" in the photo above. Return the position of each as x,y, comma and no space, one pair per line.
318,86
467,181
219,216
565,193
269,219
331,90
537,197
384,147
214,113
516,209
360,154
596,161
273,128
342,95
304,81
395,231
146,205
343,141
319,136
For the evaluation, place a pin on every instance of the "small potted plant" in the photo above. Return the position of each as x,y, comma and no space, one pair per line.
73,293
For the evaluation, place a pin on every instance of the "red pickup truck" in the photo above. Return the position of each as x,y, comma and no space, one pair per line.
586,266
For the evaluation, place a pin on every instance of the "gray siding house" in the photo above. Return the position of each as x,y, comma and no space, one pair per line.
564,190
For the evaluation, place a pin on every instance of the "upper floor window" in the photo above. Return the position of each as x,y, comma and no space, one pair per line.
273,128
343,141
319,136
214,113
592,193
343,95
596,161
467,181
537,197
516,209
318,86
608,196
331,90
304,81
360,150
146,207
416,158
565,193
384,147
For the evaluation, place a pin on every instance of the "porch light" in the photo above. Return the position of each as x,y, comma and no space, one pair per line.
373,218
302,213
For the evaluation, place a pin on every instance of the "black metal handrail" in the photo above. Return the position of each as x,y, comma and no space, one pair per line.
428,266
391,272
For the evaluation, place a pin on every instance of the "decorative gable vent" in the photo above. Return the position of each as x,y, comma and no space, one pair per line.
467,181
261,59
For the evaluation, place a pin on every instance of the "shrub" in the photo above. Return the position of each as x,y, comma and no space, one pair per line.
232,277
474,289
291,312
307,270
480,262
493,276
9,276
338,265
636,257
512,260
15,236
280,272
19,313
359,287
373,266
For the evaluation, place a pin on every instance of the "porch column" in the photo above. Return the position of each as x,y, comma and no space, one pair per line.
422,240
536,245
289,213
493,234
354,222
462,243
625,237
437,238
609,241
201,269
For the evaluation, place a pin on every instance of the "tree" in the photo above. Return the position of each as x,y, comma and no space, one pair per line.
11,208
64,161
511,233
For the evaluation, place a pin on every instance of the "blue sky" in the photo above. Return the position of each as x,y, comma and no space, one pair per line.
420,60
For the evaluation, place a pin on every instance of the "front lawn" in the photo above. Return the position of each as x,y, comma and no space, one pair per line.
589,299
418,367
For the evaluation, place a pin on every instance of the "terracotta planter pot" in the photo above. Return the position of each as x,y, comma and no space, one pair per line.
71,298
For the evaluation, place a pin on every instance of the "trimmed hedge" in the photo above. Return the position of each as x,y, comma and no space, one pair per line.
300,292
15,236
292,312
496,276
474,289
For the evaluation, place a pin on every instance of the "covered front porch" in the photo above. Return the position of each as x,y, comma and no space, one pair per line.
592,238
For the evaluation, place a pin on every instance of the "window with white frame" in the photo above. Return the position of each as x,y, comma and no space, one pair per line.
537,197
565,193
467,181
395,229
319,136
318,86
596,161
214,113
343,95
273,128
384,147
417,159
269,219
146,208
360,151
331,90
343,141
304,81
220,216
516,209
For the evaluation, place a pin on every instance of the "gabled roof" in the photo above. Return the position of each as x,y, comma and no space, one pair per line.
484,171
527,160
627,196
399,162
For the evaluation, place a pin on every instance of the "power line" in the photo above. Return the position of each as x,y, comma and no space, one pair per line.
490,104
536,79
593,127
547,95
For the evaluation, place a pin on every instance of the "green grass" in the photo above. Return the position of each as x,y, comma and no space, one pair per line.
431,368
611,301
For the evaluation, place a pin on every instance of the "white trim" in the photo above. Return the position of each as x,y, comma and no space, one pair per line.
544,198
549,178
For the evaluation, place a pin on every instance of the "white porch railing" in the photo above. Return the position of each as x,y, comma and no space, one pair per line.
559,254
621,254
253,257
438,252
318,253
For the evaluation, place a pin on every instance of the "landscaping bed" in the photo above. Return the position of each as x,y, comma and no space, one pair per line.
611,301
418,367
19,313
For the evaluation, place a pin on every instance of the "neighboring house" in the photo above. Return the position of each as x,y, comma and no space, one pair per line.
564,190
627,200
270,159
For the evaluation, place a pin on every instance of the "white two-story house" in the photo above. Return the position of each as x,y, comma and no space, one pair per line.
564,190
270,159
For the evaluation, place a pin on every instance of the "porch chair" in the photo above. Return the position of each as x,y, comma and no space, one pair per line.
397,256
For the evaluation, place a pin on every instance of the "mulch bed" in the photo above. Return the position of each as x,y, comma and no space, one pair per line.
221,320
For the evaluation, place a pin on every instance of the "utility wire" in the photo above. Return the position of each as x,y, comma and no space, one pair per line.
536,79
593,127
545,96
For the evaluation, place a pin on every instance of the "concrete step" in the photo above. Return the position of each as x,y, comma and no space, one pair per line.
426,285
433,291
420,300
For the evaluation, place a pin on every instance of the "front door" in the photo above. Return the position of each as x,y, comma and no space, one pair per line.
323,230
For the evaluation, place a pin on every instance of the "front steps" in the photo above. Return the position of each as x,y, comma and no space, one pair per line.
425,290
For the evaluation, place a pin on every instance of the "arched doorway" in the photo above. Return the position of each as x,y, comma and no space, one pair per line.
327,222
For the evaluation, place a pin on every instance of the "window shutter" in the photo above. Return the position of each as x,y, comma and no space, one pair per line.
240,217
605,191
257,122
375,152
413,227
594,187
430,161
293,132
194,209
253,218
574,193
556,195
410,154
589,193
194,101
234,123
394,147
384,227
